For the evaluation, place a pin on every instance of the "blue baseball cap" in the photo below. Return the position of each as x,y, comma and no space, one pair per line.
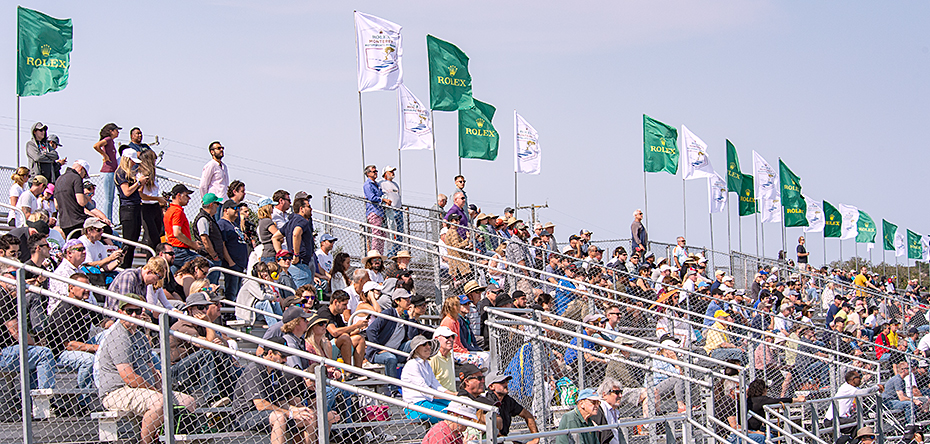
265,201
588,394
327,237
464,299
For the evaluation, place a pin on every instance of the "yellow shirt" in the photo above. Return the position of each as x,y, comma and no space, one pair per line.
444,369
892,339
715,338
860,282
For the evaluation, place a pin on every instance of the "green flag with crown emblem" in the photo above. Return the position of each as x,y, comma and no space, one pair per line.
747,196
43,53
477,137
888,231
792,202
660,147
867,230
735,182
832,221
914,248
449,81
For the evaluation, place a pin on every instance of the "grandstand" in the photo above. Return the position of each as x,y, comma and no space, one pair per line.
658,353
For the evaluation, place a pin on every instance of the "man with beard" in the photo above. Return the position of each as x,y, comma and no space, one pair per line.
215,176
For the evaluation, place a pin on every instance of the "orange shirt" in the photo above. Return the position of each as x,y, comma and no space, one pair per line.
175,216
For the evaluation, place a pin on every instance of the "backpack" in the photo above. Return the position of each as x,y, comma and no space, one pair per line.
568,391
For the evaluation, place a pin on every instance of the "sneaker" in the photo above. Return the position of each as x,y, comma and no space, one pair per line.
221,402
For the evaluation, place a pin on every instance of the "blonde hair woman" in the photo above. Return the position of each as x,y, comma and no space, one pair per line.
269,235
128,185
155,293
20,176
153,225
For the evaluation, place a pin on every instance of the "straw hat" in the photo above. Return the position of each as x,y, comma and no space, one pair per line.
372,254
402,254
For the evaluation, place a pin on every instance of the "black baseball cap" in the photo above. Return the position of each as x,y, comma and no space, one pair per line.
180,189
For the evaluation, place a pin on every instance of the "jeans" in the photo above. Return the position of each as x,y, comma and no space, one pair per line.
269,307
107,192
436,404
41,361
894,404
153,225
302,274
389,360
395,222
181,257
232,284
214,276
332,395
79,361
130,216
206,371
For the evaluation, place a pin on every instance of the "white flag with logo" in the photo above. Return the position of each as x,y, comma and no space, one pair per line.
526,153
767,195
900,243
379,53
815,216
850,227
925,247
717,193
416,129
696,162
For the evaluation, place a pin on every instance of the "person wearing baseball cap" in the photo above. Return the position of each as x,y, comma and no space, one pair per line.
718,345
324,254
201,369
391,334
70,197
207,230
443,363
580,417
178,229
499,393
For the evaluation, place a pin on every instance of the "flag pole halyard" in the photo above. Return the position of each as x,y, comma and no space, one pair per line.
361,128
684,209
17,131
435,173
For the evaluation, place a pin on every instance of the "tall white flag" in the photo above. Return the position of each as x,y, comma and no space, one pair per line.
900,243
416,130
526,153
767,194
850,227
717,193
815,216
925,246
696,162
379,53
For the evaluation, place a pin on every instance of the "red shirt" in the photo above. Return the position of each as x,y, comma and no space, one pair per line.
175,216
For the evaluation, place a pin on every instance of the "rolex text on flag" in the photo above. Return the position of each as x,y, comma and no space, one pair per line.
747,195
915,249
832,221
477,137
850,227
795,208
866,229
379,53
734,175
43,53
889,230
416,129
696,164
660,147
449,81
526,152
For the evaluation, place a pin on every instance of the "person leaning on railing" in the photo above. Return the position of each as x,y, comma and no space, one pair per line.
847,407
757,399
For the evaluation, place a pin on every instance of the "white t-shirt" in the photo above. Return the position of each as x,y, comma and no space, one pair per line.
96,251
391,191
324,260
353,298
28,200
924,343
17,191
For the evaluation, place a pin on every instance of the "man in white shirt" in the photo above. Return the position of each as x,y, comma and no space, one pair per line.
782,324
215,176
73,256
279,213
847,407
393,216
29,201
324,254
98,253
680,254
359,279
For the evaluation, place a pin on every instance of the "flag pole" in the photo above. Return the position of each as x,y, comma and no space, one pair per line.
17,131
361,128
645,200
515,206
435,173
460,164
401,180
762,228
729,216
756,225
684,210
825,246
711,217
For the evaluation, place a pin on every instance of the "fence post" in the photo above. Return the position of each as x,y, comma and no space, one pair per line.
879,429
490,421
579,358
328,208
24,373
539,377
322,424
164,322
742,402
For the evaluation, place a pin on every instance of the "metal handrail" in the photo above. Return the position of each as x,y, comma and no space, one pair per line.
597,428
246,276
188,176
11,207
233,333
738,433
390,318
127,241
787,421
252,309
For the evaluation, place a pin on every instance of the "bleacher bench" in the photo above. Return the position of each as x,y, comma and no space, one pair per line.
115,425
42,400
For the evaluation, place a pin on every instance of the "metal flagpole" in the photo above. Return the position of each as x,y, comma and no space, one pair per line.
17,132
361,128
711,216
739,232
755,216
435,173
825,247
762,228
515,206
729,242
646,201
841,250
401,180
897,271
684,210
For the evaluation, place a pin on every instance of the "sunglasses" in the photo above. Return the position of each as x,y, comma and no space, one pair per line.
616,392
133,311
78,249
168,253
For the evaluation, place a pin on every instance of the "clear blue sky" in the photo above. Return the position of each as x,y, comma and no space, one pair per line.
838,90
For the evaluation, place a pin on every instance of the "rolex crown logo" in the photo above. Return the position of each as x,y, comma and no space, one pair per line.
480,123
452,70
46,50
747,192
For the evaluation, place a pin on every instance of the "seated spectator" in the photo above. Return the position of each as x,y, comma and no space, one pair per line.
896,396
442,363
194,269
566,292
41,359
173,290
757,399
68,339
262,404
318,344
452,319
196,368
595,366
613,397
718,345
340,272
356,291
20,236
415,312
401,264
140,281
257,294
73,258
99,255
581,417
283,260
371,292
349,339
499,393
127,378
417,371
846,408
390,334
448,432
662,382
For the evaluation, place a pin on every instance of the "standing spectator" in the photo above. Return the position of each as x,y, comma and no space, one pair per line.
107,149
127,380
438,211
43,154
234,244
91,210
129,182
215,176
236,193
802,254
374,207
20,177
460,188
279,214
393,215
458,208
680,253
69,195
135,140
580,417
68,338
518,253
458,268
269,236
206,228
153,228
638,231
178,229
298,233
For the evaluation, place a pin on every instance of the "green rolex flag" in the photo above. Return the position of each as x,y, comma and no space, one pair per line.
888,231
449,81
795,208
660,147
477,137
867,229
747,196
735,183
914,249
832,221
43,53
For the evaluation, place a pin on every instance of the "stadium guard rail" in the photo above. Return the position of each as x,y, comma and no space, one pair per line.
163,327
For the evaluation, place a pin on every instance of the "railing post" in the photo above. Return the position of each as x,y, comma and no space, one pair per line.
24,373
880,434
322,423
164,322
742,402
490,421
579,357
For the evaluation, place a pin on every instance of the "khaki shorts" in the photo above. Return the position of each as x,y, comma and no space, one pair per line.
135,400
